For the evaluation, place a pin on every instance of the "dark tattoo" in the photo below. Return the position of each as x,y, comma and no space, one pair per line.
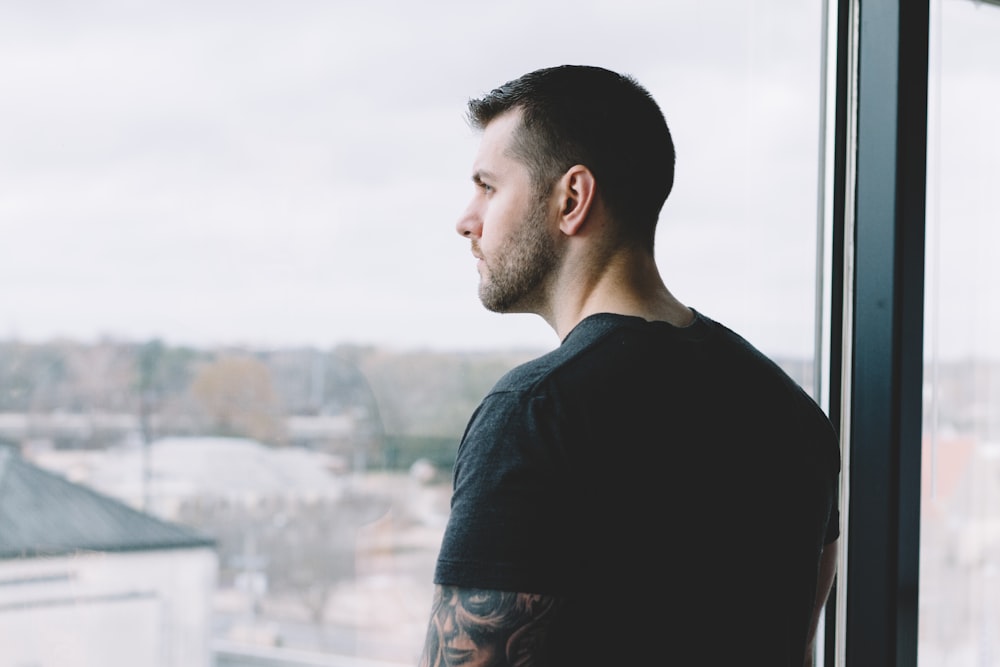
480,628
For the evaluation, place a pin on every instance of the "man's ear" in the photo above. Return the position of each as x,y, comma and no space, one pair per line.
577,190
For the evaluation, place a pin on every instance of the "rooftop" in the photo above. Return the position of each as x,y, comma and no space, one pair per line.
43,514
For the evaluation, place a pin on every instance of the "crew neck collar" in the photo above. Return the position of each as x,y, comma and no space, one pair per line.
600,321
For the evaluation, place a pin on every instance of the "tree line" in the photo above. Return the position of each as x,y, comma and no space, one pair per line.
402,403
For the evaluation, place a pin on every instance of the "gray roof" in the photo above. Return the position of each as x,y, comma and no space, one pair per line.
42,514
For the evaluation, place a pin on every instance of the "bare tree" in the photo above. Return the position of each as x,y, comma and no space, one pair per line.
237,398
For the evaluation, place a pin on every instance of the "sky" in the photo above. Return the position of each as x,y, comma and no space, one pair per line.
290,173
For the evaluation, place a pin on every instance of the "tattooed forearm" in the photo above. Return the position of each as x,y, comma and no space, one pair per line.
480,628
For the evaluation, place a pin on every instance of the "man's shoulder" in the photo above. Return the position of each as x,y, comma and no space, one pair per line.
622,355
602,340
580,347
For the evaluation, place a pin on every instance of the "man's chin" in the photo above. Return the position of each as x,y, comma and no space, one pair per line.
492,303
510,301
488,298
502,307
494,307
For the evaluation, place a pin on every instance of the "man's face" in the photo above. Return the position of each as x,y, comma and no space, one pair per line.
509,226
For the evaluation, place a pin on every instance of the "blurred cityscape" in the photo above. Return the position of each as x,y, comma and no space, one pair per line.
188,507
225,507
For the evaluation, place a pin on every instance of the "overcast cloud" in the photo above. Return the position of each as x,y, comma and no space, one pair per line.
281,173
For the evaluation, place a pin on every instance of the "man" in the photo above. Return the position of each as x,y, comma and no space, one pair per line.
653,491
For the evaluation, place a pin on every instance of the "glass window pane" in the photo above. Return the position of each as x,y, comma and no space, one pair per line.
960,520
232,296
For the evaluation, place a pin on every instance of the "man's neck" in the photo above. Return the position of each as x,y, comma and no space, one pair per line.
625,283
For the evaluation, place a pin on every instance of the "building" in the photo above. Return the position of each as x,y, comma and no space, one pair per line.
86,580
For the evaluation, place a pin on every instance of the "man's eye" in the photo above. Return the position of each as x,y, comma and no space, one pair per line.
486,188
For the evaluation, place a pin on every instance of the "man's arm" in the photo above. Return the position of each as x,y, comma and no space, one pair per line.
827,572
482,627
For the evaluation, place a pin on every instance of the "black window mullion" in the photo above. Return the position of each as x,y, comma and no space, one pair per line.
886,334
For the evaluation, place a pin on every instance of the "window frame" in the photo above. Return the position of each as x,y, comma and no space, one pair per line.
876,325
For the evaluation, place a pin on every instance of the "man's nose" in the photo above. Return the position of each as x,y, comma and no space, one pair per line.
469,223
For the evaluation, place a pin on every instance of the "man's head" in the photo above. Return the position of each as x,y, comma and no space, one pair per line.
596,118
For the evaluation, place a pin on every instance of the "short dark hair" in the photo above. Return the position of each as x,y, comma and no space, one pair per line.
575,114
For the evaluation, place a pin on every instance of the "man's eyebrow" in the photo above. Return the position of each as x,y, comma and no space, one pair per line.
480,175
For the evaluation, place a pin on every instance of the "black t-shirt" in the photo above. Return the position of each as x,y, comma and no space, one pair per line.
673,485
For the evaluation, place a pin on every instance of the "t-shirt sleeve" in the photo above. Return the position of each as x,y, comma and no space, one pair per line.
832,527
833,523
504,529
832,461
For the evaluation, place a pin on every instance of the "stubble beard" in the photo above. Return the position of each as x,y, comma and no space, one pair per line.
516,276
